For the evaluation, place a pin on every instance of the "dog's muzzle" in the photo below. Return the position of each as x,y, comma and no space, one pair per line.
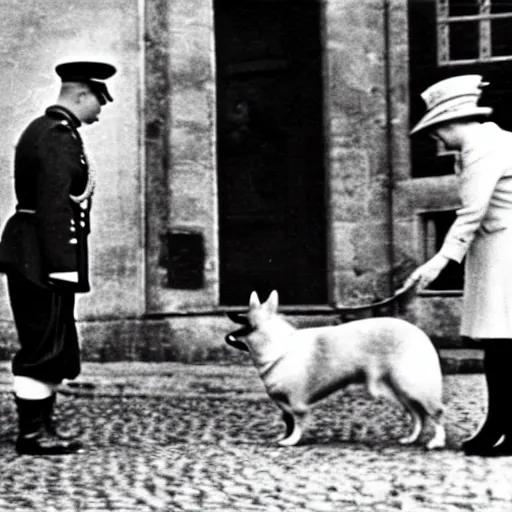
233,339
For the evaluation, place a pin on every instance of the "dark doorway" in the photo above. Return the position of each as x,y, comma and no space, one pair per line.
272,214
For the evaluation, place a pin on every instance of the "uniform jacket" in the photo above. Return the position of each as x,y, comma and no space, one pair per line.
485,189
48,233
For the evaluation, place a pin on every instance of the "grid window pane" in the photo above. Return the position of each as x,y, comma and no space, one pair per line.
464,39
501,6
435,227
501,37
463,7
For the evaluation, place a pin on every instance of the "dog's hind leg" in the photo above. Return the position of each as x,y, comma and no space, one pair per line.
295,424
432,410
289,425
417,424
435,413
381,388
416,413
420,416
439,439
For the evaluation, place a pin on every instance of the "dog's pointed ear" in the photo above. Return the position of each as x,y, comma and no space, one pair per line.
273,301
238,318
254,300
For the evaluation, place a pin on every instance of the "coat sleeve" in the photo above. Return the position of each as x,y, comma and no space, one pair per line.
60,164
477,183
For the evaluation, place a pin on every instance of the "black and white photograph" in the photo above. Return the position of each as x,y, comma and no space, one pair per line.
255,256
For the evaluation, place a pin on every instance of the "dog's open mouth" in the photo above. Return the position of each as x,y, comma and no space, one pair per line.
233,340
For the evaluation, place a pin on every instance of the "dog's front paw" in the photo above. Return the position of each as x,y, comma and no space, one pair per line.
292,439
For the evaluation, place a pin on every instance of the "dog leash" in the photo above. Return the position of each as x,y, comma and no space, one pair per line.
400,293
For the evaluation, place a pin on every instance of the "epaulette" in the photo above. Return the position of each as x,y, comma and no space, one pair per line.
66,125
63,123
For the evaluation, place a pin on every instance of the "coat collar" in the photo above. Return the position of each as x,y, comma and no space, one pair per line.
61,112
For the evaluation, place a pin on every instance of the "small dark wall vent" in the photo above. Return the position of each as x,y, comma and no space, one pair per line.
185,261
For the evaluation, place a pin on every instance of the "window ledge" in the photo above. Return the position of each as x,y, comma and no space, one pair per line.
440,293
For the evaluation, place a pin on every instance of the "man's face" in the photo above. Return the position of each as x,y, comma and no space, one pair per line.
90,107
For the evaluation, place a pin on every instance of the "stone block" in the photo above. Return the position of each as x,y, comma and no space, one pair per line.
439,317
349,184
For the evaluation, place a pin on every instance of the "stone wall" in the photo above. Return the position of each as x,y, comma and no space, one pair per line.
358,160
437,313
34,37
376,232
181,191
155,155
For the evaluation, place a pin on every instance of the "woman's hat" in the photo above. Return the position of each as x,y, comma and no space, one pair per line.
452,98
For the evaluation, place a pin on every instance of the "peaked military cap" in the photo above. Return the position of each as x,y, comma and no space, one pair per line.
90,73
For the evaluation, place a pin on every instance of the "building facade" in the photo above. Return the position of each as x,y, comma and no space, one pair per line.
253,145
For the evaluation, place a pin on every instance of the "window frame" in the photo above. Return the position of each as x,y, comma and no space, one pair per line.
484,19
431,239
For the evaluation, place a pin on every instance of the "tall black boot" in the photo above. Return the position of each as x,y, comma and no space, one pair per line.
504,448
33,438
48,405
492,429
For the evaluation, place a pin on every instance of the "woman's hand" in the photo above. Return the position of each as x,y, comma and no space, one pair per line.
427,272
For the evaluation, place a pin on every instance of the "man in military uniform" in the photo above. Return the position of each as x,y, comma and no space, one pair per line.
44,252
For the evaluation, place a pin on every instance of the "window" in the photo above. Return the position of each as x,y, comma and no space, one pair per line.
473,31
457,37
435,225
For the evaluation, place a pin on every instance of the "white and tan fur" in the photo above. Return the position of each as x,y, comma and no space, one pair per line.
394,358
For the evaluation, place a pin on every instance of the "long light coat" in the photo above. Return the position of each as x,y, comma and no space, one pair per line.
482,232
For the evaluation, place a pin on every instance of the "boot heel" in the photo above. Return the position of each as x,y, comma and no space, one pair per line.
33,438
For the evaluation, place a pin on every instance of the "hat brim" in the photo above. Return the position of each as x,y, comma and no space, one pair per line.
101,91
431,119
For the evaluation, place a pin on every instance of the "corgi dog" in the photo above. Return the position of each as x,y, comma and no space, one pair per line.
395,359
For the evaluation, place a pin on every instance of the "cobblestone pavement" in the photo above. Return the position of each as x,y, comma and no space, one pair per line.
171,437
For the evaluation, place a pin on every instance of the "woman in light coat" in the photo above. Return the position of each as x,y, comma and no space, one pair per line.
482,233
